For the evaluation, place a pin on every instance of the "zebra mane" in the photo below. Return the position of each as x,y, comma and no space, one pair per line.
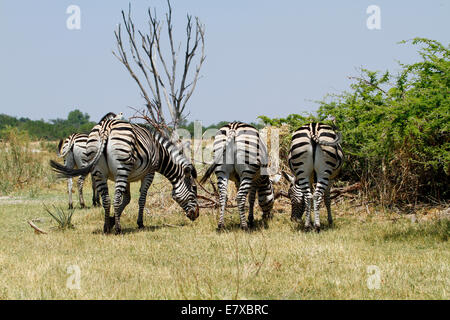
109,115
174,152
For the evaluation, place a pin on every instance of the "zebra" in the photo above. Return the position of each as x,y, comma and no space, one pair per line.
315,152
245,164
73,150
126,152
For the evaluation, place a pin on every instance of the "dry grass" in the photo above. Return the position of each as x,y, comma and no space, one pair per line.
174,258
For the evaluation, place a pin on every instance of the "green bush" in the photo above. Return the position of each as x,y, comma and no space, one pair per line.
395,128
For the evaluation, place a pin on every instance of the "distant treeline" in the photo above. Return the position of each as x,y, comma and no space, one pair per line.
76,122
52,130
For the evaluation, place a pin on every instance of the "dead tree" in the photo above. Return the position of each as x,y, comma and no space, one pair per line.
151,70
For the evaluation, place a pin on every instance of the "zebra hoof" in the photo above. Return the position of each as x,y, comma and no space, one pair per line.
220,227
140,225
244,227
70,206
317,229
82,206
267,216
117,230
106,228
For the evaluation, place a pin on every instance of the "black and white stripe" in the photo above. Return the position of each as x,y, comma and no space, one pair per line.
315,150
127,152
73,150
241,156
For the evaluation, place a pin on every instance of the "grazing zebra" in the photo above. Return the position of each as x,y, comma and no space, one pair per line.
315,151
127,152
245,164
73,150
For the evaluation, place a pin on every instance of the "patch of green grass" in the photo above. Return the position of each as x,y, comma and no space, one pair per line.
63,218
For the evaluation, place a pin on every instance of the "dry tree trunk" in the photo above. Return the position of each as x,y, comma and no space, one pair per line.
148,57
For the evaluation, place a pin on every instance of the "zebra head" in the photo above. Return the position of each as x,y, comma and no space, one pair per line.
185,192
63,147
295,194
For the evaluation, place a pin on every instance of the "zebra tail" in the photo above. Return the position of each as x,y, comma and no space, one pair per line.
208,173
331,143
230,138
64,172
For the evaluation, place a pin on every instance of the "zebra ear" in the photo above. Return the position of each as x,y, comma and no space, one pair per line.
275,178
288,177
187,172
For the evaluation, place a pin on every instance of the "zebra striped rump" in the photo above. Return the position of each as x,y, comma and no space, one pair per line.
315,152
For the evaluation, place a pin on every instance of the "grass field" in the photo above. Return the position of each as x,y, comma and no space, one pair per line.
368,254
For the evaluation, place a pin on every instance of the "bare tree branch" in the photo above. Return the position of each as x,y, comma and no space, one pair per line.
152,57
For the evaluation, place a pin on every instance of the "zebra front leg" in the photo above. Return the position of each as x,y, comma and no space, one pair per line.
317,199
95,194
251,201
266,200
106,202
69,163
122,198
145,185
80,183
328,205
222,184
69,188
101,185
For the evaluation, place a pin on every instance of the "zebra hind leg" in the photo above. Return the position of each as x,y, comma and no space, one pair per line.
241,199
328,205
222,184
251,201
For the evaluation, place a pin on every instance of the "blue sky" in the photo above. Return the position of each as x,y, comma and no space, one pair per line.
269,58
